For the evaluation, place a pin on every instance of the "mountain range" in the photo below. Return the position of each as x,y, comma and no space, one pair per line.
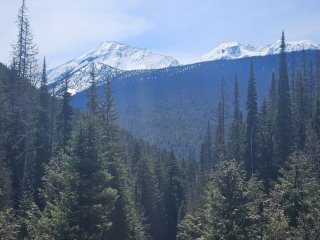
171,106
114,58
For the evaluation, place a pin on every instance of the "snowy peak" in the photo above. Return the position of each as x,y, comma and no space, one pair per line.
235,50
115,55
125,57
292,46
228,50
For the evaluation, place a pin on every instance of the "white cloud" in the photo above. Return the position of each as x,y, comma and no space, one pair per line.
64,27
185,29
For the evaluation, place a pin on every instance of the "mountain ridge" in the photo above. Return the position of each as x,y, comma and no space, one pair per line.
236,50
115,58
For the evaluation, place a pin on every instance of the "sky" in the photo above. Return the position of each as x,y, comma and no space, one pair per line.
183,29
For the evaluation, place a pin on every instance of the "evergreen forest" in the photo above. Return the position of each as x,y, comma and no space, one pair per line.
69,174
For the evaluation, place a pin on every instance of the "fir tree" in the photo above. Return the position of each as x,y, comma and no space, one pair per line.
175,197
234,137
64,124
299,113
92,103
219,141
251,122
42,137
283,139
206,156
24,50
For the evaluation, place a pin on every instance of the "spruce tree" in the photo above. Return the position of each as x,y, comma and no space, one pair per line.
251,122
126,223
234,137
219,141
206,155
229,209
265,146
42,135
64,124
174,196
24,50
92,103
299,113
282,144
297,197
95,198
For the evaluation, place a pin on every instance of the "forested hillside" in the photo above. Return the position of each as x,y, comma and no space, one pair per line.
171,107
68,174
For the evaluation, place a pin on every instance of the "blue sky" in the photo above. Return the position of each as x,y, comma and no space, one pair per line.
184,29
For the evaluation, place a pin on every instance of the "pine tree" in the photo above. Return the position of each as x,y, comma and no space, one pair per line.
206,156
251,122
64,124
24,50
8,225
95,196
234,137
57,217
313,141
92,103
175,196
42,136
230,207
265,146
296,195
283,125
219,141
192,179
126,223
299,113
148,199
28,216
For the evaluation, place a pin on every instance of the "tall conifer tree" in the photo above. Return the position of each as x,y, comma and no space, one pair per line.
283,121
251,120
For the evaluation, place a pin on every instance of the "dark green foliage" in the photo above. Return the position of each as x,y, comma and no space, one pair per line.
174,196
28,216
230,208
8,225
296,196
192,180
234,146
42,135
92,103
219,144
219,141
206,152
283,127
251,122
64,118
265,145
299,112
94,196
5,186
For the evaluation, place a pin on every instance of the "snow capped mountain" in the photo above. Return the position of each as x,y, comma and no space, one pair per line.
112,59
228,50
115,55
235,50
